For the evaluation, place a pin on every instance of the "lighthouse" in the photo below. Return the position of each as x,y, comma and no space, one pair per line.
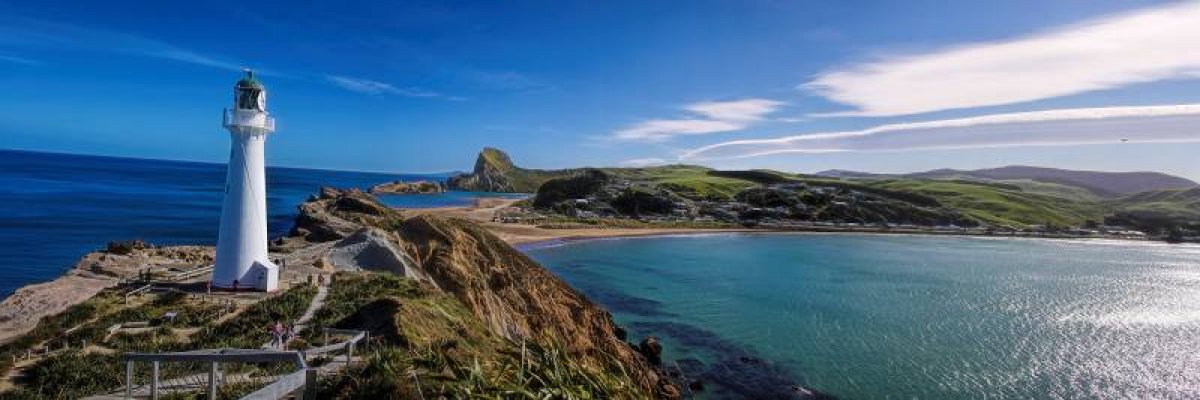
242,261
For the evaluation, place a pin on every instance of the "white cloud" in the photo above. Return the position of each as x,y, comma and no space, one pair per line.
369,86
1147,124
710,117
37,33
1143,46
24,32
19,60
738,110
642,162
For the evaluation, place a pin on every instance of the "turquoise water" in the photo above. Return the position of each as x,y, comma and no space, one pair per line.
872,316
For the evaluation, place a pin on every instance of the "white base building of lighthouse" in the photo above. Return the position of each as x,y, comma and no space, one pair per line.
242,261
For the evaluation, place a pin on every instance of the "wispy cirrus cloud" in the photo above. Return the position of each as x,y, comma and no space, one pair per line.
19,60
1062,127
369,86
707,118
25,32
1147,45
643,162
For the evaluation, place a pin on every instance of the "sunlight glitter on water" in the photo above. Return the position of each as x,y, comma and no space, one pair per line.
872,316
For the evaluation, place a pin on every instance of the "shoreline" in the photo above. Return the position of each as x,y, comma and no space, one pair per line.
525,236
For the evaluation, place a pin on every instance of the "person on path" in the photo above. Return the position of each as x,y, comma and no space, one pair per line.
277,335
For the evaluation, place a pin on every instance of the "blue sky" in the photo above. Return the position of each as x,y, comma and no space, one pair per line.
800,86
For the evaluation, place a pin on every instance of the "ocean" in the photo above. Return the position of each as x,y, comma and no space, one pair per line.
877,316
61,206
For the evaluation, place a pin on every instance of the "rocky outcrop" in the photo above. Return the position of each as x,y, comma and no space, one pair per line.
490,174
337,214
651,348
400,187
513,296
495,172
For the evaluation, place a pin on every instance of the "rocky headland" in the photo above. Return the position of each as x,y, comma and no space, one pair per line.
512,295
401,187
495,172
457,287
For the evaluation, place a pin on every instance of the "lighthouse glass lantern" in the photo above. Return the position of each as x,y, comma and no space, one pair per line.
242,261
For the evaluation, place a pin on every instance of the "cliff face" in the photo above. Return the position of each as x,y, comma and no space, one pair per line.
495,172
513,296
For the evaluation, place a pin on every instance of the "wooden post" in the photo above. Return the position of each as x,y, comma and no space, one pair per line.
310,384
154,380
129,379
212,381
349,352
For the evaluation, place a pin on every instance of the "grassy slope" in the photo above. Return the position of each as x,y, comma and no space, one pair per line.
1175,203
687,180
449,351
1000,206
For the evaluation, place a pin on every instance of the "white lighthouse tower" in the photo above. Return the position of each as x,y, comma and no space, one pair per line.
242,261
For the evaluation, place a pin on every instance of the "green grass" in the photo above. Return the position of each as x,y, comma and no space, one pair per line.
430,345
249,329
70,375
73,374
1181,204
998,206
352,291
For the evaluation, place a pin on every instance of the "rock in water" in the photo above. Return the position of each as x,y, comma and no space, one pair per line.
651,348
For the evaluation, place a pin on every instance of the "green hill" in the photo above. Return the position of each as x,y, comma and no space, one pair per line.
1180,204
1010,196
1000,205
1079,185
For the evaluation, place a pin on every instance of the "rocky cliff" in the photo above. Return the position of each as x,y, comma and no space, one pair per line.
513,296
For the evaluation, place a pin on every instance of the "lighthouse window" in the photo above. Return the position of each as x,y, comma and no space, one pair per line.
248,99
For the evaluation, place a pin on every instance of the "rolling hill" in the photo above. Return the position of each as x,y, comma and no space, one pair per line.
1102,185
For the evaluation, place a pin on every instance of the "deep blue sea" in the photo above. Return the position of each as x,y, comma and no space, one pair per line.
874,316
58,207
